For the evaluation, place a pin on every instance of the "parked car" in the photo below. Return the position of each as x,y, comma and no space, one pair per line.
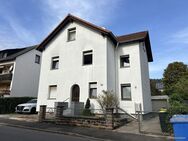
29,107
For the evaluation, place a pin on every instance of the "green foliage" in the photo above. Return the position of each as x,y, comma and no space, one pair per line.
181,87
172,74
87,111
88,105
7,105
154,90
107,99
177,106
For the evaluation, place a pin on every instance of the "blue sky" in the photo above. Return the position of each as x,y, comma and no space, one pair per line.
28,22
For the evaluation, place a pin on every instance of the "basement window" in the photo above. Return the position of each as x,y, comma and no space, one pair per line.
72,34
87,57
93,90
124,61
125,91
55,63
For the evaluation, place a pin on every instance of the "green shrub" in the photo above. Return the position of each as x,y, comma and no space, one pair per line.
87,111
7,105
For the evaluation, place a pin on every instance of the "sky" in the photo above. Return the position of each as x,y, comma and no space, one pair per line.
27,22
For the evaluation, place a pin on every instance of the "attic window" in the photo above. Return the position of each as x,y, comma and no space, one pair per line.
124,61
72,34
4,55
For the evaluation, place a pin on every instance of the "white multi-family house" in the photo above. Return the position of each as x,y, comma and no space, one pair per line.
19,72
80,60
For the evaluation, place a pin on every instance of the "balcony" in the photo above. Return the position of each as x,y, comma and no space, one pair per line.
5,77
4,92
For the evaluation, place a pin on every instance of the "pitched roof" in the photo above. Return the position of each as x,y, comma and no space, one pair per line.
139,36
16,53
116,39
132,37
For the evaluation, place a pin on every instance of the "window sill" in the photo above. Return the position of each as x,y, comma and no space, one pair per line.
51,99
71,40
54,69
126,99
125,67
87,64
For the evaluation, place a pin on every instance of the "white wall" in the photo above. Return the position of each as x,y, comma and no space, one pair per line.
147,105
26,75
71,70
111,66
130,75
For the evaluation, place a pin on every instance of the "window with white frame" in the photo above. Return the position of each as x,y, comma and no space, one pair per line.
87,57
93,90
52,91
126,91
72,34
124,61
55,63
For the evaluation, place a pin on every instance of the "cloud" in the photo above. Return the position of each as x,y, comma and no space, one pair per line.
13,34
98,12
180,36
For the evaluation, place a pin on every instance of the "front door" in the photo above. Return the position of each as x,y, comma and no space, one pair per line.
75,93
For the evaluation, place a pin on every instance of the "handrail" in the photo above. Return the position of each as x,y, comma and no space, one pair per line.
127,113
66,99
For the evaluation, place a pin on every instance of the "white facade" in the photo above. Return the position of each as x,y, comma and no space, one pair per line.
105,69
24,72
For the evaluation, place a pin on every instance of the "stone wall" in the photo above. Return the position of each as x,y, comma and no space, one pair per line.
83,121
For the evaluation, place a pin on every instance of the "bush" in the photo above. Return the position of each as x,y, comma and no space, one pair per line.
7,105
87,111
177,106
107,100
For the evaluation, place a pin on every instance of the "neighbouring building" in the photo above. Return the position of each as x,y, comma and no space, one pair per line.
80,59
19,72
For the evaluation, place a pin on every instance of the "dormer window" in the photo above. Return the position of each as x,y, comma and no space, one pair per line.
4,55
72,34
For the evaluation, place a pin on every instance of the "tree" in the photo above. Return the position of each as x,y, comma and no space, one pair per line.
154,90
108,99
172,74
87,111
181,87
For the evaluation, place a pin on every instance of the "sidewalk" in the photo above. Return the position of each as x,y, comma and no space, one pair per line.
99,134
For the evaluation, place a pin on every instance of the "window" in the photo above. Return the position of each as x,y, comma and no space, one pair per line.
37,59
87,57
52,91
93,90
124,61
55,63
126,91
71,34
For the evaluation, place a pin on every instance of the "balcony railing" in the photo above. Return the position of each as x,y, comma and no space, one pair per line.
6,77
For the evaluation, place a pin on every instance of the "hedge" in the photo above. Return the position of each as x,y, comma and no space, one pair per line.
8,104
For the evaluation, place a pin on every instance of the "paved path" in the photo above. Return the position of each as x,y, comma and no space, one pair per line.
99,134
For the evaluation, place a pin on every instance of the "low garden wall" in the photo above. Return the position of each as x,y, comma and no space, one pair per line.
83,121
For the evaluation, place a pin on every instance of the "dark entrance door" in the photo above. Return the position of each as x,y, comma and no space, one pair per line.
75,93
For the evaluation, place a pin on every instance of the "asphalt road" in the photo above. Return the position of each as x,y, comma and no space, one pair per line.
19,134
